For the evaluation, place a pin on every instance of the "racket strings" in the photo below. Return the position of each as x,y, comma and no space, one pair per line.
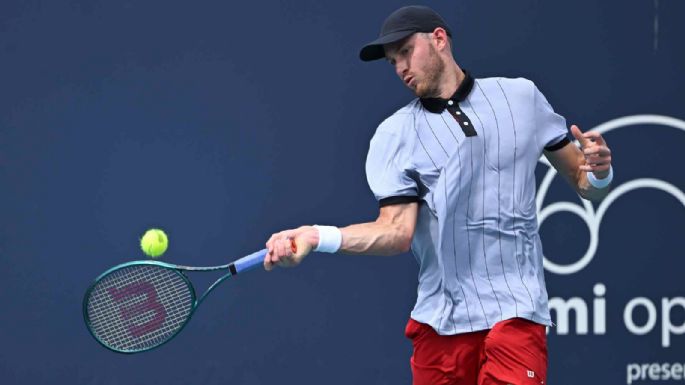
139,307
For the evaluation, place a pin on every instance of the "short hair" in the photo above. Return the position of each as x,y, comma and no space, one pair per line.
426,35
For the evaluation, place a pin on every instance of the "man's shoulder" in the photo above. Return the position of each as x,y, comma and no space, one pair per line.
518,82
400,120
519,88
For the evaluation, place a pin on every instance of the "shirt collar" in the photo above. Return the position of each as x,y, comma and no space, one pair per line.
437,105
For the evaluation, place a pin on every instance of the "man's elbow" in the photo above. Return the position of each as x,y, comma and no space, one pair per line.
404,242
405,246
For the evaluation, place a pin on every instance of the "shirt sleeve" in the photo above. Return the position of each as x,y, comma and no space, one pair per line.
551,127
386,168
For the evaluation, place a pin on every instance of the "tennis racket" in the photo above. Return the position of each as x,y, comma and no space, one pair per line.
138,306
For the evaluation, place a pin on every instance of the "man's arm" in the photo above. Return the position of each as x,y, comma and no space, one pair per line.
391,233
574,163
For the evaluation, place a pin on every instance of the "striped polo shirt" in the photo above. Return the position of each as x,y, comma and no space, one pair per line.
470,163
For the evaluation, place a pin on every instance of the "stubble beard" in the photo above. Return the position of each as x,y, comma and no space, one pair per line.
430,86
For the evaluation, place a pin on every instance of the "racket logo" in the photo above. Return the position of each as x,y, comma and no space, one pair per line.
139,311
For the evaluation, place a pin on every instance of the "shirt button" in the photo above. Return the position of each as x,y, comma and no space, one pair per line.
449,102
458,112
466,123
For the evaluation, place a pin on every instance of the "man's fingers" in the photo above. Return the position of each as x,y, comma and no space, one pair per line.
596,155
587,138
599,166
280,248
597,150
267,262
603,169
578,135
270,242
596,158
595,136
284,244
594,167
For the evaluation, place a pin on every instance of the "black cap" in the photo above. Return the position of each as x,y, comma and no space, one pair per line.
400,24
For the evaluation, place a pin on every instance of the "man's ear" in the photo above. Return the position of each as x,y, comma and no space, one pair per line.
441,38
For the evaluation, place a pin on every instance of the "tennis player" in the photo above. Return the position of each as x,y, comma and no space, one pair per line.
453,172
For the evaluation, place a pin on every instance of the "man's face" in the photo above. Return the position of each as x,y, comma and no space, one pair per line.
417,63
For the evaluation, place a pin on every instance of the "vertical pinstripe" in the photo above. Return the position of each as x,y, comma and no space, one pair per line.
443,170
483,189
513,202
441,285
454,227
468,234
486,269
499,198
456,265
444,306
424,148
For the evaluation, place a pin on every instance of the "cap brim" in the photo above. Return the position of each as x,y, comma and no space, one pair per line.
375,51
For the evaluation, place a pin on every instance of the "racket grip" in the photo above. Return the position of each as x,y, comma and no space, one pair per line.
250,261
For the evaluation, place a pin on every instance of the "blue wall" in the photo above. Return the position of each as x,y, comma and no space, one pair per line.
223,122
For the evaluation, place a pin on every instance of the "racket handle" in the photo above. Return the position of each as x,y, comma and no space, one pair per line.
250,261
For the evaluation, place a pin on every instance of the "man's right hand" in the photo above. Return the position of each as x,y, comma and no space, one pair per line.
289,247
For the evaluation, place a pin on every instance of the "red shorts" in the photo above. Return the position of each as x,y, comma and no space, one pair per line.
513,352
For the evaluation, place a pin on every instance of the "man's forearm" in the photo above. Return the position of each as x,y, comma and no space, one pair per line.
376,238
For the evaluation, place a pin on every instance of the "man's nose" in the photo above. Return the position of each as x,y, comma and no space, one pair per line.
401,69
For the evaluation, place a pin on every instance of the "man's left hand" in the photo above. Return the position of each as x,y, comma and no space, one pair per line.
594,148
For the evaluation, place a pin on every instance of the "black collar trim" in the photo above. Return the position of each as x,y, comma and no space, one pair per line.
437,105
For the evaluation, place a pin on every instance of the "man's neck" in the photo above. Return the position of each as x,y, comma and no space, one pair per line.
453,78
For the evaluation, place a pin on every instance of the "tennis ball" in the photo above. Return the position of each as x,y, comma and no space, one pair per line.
154,242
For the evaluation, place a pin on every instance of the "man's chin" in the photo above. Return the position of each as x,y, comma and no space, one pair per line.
424,92
421,93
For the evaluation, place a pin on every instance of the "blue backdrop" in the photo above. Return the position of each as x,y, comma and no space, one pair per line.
222,122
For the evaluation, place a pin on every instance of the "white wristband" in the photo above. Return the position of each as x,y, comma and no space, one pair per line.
330,239
600,183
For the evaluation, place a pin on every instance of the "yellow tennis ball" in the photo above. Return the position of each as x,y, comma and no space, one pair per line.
154,243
